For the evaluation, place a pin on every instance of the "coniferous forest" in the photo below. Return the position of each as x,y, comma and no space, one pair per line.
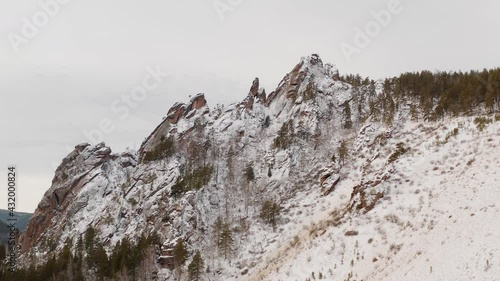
430,95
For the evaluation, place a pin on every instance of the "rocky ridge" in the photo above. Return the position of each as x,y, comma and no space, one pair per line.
290,138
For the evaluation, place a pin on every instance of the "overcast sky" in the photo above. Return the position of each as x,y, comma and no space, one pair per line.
62,77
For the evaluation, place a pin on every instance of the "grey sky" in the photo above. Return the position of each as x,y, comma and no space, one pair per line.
64,79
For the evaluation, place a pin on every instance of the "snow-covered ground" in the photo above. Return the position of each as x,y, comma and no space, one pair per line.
429,212
439,218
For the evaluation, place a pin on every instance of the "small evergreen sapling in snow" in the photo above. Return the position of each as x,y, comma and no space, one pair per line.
226,239
217,229
482,122
400,150
249,174
195,268
343,152
180,253
270,212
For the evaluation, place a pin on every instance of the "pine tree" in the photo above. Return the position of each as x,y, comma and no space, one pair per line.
49,269
180,253
346,116
78,268
116,258
32,274
270,212
180,256
79,246
229,161
217,230
249,177
226,239
195,268
489,101
65,258
3,252
102,261
89,239
413,113
249,174
343,152
389,109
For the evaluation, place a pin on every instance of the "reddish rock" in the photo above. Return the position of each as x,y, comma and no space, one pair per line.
70,177
252,95
179,110
290,84
198,102
175,113
262,97
254,90
271,97
249,102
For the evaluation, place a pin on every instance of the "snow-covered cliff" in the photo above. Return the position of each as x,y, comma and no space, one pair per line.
359,199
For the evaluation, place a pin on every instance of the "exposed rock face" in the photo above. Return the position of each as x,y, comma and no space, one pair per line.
73,173
329,178
197,102
262,96
293,83
122,195
254,90
296,79
176,112
255,94
249,103
290,140
364,196
179,110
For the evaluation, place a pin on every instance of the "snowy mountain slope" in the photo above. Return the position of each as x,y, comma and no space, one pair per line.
438,219
373,215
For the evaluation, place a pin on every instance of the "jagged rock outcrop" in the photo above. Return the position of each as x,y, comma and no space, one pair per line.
198,138
329,178
262,96
197,102
289,85
254,90
79,168
176,112
179,110
269,171
199,169
255,93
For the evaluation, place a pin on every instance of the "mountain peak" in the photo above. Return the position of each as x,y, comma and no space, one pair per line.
314,65
179,110
313,59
